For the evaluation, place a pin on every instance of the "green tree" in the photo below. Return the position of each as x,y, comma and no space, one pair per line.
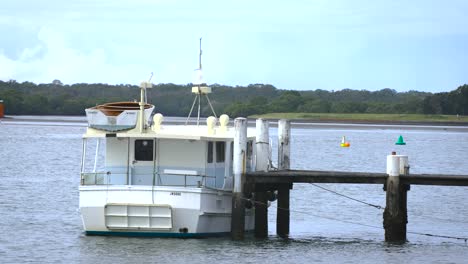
289,101
315,106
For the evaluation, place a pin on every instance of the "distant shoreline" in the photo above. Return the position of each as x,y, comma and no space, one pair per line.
295,123
372,119
374,122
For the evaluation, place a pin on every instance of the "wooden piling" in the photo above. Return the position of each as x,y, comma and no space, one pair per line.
284,134
239,165
395,214
261,214
282,217
262,164
262,145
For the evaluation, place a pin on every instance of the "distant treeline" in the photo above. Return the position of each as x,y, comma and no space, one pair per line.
55,98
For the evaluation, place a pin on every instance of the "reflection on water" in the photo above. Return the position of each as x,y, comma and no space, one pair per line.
39,174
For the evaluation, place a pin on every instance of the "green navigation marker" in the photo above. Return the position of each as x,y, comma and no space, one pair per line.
400,141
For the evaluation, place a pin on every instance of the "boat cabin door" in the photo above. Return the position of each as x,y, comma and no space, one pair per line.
142,162
215,164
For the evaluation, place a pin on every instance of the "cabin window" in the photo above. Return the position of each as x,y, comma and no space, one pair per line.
249,149
144,150
209,157
220,153
232,151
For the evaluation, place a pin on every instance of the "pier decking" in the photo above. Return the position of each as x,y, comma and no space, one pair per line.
309,176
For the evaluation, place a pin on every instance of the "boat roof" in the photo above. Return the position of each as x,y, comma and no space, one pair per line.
190,132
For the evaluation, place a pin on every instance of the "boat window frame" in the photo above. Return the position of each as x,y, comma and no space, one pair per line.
148,155
209,153
220,151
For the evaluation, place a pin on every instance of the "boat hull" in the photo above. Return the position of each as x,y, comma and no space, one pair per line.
157,211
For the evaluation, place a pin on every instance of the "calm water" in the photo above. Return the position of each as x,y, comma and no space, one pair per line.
39,177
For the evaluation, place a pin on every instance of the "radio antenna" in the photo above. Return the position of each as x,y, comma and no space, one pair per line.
200,88
199,57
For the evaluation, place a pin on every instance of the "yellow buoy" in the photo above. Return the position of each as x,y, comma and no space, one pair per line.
344,143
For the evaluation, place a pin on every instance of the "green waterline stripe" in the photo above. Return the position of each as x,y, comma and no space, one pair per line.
156,234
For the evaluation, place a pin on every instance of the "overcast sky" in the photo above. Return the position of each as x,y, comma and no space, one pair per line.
301,45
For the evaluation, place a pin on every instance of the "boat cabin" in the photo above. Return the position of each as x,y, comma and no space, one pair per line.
172,155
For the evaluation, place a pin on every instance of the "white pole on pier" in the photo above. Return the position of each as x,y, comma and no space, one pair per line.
240,150
239,165
284,134
262,145
262,164
282,213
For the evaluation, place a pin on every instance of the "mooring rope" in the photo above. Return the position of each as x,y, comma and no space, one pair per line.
349,197
465,239
383,208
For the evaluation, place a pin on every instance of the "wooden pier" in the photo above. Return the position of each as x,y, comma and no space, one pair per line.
395,215
265,182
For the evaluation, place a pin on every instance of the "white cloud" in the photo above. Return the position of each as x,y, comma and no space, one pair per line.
55,59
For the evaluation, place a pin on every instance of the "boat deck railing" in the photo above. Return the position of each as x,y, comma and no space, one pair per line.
157,179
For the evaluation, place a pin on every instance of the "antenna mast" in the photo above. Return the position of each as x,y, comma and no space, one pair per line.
199,57
199,88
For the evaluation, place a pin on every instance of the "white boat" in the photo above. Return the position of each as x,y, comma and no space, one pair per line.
142,177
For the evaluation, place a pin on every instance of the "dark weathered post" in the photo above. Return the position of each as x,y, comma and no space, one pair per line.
262,164
238,204
395,214
282,218
261,213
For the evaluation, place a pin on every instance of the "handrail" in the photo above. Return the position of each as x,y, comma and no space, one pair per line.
199,184
99,178
93,176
